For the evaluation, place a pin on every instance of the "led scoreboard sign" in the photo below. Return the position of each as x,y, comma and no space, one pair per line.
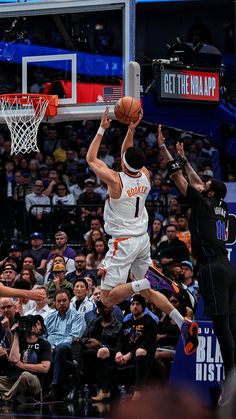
187,85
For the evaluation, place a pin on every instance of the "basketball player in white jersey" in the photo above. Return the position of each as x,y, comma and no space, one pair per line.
126,220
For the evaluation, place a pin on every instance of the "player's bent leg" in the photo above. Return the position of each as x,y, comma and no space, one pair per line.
120,292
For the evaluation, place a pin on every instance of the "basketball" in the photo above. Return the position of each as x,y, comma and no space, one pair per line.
127,109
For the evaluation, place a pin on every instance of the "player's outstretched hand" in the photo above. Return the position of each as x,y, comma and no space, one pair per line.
133,125
160,138
35,294
180,150
105,121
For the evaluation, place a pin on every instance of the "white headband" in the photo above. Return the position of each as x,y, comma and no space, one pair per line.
131,169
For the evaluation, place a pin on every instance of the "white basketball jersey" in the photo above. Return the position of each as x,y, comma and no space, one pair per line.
127,215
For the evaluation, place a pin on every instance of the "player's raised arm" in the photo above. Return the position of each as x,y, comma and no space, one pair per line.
193,177
173,167
129,138
98,166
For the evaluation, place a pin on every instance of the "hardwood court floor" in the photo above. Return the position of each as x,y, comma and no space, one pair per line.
61,410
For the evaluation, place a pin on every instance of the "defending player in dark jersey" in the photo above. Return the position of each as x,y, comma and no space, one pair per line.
208,226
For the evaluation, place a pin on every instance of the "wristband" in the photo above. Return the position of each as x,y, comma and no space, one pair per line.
101,130
172,167
162,145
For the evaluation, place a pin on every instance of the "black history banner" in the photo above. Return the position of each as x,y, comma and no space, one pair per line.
190,85
203,371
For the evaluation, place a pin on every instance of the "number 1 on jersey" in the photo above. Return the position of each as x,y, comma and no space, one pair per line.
137,207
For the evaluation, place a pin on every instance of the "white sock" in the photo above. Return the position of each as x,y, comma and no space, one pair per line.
177,317
142,284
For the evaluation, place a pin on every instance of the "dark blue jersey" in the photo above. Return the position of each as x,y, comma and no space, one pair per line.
208,225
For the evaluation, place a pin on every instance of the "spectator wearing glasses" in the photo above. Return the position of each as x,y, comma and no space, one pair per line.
62,198
38,216
8,318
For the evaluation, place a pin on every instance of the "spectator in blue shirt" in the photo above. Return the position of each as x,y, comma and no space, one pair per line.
63,326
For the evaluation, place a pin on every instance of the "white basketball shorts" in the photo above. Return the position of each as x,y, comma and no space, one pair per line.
125,254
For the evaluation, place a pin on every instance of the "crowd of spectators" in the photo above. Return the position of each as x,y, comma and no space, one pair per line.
87,338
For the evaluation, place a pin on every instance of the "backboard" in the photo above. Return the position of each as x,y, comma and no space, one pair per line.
78,49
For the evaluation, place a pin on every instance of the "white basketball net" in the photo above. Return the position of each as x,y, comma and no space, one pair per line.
23,121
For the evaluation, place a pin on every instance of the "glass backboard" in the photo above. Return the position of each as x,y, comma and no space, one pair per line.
80,50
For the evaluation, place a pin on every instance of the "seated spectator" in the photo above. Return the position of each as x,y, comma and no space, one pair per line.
94,313
189,280
8,276
97,349
33,168
71,159
172,249
90,279
63,326
61,240
95,224
104,155
183,232
80,301
58,282
39,217
58,258
136,343
156,190
29,263
90,202
94,235
63,197
24,379
80,269
27,275
102,190
174,207
15,252
41,306
37,251
53,179
76,189
156,235
9,316
95,258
